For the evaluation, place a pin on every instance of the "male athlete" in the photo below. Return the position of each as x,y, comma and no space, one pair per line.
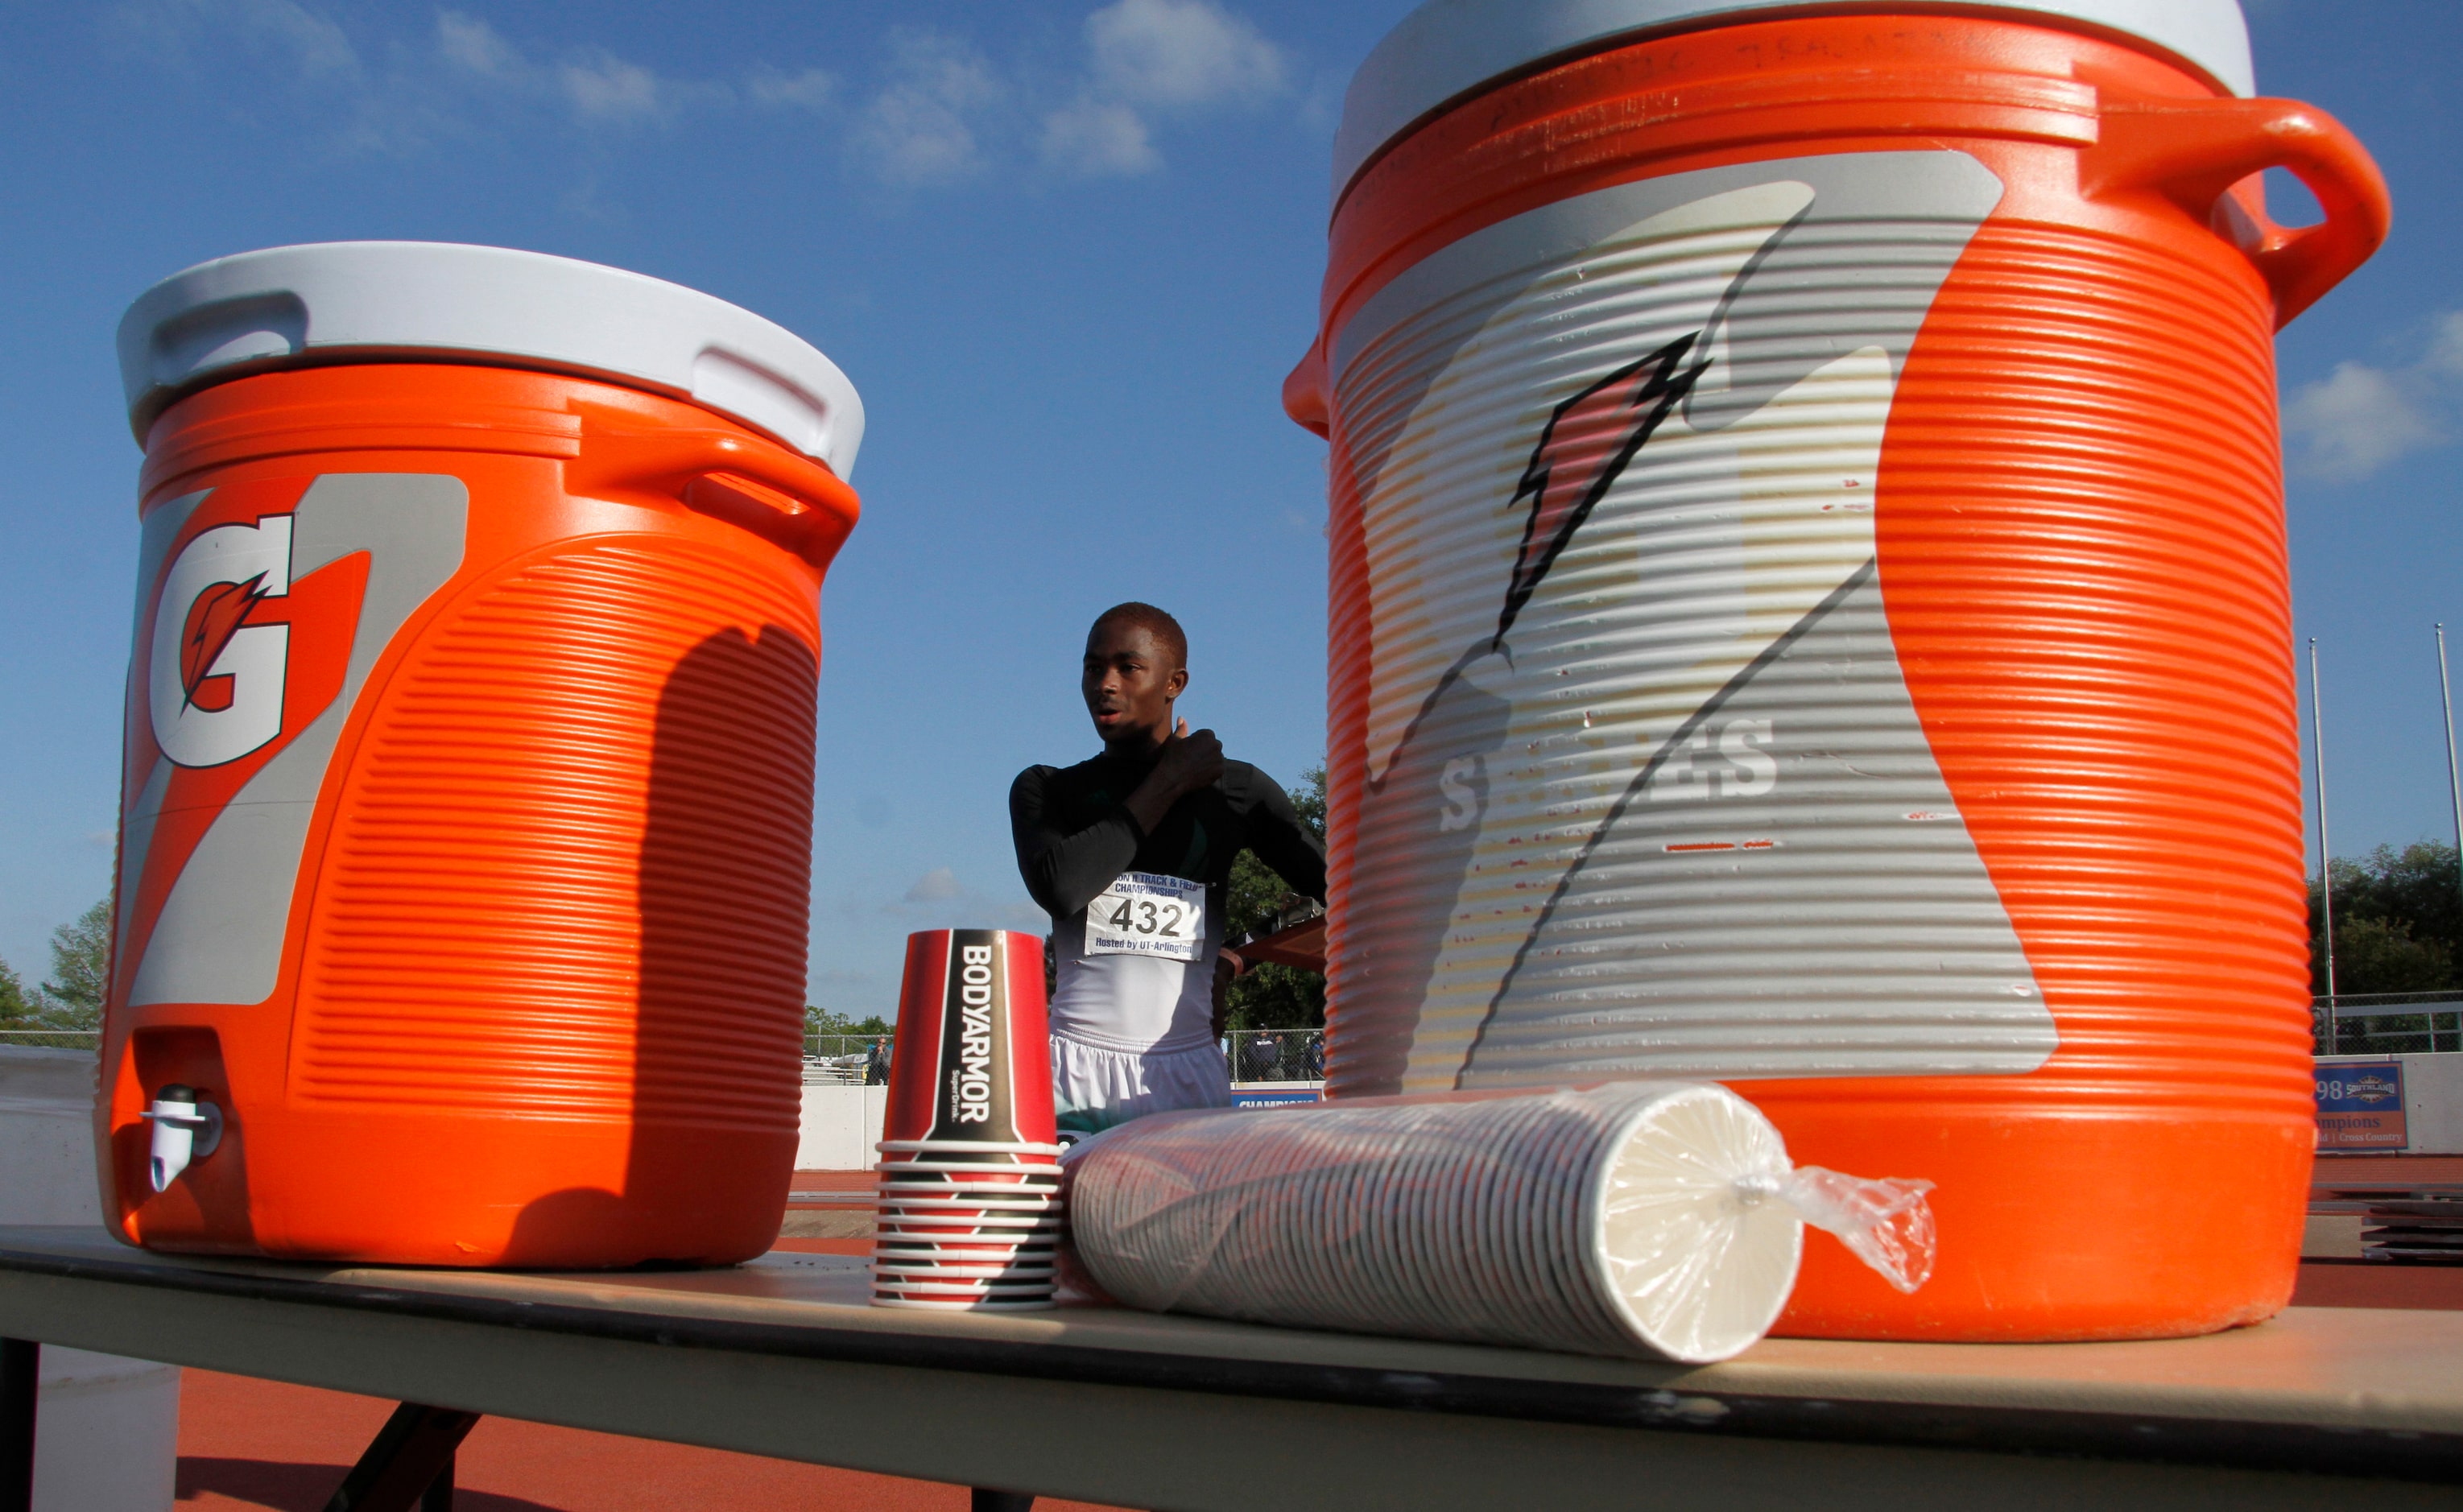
1129,853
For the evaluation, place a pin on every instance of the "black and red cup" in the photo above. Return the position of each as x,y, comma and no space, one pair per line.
969,1207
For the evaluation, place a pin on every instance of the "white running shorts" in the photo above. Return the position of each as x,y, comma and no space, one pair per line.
1093,1089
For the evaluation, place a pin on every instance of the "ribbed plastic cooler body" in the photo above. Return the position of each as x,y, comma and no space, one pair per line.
1809,609
465,851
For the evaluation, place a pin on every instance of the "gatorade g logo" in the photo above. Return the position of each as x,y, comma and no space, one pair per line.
263,609
216,684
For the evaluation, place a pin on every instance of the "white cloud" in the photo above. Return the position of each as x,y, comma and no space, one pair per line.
2357,421
938,899
2360,418
592,85
317,43
1321,103
808,90
1180,54
1150,58
473,44
917,129
603,87
178,30
1096,138
937,886
319,47
2446,344
937,111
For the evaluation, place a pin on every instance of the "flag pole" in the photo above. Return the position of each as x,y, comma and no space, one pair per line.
2325,854
2453,774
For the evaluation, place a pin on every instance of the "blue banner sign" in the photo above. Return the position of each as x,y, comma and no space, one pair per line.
1277,1096
2360,1106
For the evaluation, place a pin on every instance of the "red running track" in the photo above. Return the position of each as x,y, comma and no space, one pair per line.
254,1444
2328,1170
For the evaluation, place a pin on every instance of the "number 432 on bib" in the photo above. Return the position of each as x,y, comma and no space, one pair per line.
1146,913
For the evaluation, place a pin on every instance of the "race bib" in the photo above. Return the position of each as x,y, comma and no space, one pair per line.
1146,913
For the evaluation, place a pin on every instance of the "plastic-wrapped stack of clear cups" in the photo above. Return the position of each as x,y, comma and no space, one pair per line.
969,1209
1655,1219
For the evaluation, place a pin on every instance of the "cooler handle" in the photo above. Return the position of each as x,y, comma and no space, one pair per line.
2193,152
1304,397
790,500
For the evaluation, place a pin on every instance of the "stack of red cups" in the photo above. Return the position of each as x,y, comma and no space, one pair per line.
970,1206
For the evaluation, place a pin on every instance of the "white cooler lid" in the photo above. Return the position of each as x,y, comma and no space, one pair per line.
1449,47
261,310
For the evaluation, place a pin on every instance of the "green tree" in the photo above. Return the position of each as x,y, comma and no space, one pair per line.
71,999
81,969
17,1007
2383,955
2397,916
1271,997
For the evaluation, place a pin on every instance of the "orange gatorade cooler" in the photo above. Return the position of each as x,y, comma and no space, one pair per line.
1809,609
464,835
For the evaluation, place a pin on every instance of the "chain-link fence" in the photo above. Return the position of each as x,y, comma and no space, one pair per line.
849,1059
1255,1055
53,1038
2387,1023
1278,1055
860,1060
827,1056
2371,1023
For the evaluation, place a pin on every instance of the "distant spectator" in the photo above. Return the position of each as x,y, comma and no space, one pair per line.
875,1065
1265,1058
1316,1057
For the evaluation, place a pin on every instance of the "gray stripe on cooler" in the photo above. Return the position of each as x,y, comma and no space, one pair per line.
1795,289
1860,266
218,938
1821,913
162,526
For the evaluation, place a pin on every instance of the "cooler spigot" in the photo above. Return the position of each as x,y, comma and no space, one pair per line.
186,1127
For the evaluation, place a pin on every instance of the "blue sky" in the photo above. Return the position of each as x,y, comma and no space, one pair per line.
1067,253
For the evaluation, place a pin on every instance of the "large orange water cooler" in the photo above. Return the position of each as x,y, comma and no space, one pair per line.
465,844
1809,609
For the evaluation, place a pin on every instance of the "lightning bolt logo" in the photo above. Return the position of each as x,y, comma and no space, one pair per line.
215,669
212,621
1581,452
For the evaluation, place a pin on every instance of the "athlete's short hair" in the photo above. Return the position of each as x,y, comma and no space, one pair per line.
1150,619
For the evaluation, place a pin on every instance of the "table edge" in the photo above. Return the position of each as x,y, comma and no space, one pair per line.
2249,1444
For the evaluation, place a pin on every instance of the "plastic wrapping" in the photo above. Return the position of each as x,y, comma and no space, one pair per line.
1885,1223
1645,1218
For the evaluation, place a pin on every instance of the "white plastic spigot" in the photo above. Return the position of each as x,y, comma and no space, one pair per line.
186,1127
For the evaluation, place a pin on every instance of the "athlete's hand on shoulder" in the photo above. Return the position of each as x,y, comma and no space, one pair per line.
1187,763
1190,761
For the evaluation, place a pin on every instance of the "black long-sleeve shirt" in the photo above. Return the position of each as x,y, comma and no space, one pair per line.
1074,833
1075,836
